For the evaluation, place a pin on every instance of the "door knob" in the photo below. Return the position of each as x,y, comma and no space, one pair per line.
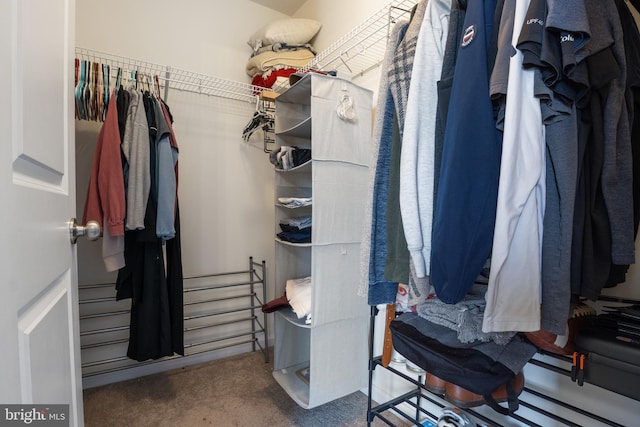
91,230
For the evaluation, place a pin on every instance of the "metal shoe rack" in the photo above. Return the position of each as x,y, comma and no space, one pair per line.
220,310
420,404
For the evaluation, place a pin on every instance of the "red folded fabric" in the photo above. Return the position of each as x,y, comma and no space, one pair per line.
275,304
271,76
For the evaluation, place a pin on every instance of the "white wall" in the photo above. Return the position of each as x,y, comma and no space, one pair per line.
339,18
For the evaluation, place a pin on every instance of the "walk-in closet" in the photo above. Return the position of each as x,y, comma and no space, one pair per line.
310,203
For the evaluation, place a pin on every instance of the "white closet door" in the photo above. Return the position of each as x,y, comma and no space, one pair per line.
39,307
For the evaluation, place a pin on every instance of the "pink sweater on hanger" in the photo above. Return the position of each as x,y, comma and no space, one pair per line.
105,197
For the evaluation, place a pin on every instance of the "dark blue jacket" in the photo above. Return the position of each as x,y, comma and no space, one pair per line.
470,169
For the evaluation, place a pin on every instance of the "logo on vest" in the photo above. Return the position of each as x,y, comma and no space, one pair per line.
535,21
566,38
468,35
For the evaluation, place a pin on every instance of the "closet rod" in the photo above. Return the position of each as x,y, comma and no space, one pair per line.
175,78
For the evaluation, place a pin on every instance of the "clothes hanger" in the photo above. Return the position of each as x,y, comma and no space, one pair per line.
119,79
80,90
145,82
88,92
77,66
99,93
157,86
95,92
106,94
86,105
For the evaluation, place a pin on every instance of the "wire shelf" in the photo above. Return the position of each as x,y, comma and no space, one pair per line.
362,49
174,78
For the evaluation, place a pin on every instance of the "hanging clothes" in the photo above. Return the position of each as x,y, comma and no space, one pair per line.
632,96
513,295
373,247
400,78
144,274
468,186
535,174
417,168
137,154
608,155
133,195
450,55
105,202
157,324
542,51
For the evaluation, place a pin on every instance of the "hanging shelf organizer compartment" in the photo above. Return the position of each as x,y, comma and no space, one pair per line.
318,361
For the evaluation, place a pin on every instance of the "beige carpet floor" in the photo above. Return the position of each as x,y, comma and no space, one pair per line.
237,391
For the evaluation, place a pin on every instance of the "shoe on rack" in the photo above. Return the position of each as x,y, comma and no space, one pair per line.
434,384
464,398
412,367
581,316
397,357
453,417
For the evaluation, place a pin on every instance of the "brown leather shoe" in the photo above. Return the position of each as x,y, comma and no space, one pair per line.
581,315
464,398
434,384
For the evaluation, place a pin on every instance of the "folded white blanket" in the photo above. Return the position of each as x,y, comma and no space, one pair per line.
299,295
285,59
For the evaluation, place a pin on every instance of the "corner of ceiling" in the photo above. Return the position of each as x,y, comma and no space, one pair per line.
288,7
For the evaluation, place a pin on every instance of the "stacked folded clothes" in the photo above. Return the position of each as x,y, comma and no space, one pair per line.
279,49
273,78
295,202
296,230
286,157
